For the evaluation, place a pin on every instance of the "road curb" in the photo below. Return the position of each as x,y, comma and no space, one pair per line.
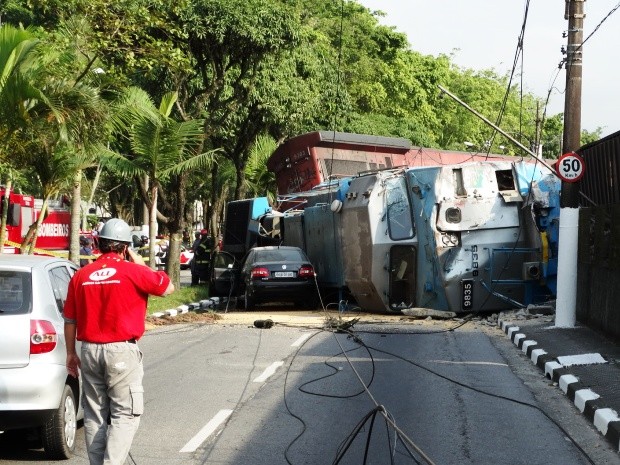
203,305
588,402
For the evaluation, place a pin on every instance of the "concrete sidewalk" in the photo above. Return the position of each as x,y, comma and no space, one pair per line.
584,363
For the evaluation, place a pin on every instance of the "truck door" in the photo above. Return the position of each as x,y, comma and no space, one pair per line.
402,277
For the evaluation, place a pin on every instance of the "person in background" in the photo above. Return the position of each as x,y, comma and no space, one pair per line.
98,228
105,309
202,257
161,250
196,241
86,251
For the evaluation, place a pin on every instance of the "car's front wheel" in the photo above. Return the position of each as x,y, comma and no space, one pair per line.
58,434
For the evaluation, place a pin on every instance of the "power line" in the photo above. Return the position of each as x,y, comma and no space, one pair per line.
612,11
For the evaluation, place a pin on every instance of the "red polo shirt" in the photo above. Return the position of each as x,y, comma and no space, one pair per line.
107,299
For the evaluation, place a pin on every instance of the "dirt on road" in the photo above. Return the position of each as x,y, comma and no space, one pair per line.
304,318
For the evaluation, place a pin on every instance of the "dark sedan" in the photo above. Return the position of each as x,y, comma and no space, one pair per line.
278,274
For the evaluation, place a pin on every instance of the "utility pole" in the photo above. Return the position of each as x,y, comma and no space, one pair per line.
569,202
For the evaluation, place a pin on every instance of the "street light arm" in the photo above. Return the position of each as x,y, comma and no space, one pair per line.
502,132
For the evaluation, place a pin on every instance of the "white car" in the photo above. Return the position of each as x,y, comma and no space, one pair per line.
36,391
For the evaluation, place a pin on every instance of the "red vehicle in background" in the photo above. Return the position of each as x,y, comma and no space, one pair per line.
24,210
305,161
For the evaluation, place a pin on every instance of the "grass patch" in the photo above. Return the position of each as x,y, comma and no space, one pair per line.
185,295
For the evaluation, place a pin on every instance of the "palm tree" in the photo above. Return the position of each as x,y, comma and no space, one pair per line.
15,88
259,181
161,147
51,117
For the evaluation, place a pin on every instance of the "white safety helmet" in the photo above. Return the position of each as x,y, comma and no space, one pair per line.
116,230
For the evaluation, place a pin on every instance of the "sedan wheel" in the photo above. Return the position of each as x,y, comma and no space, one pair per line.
59,432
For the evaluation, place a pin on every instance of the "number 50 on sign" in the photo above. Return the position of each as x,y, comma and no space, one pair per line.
570,167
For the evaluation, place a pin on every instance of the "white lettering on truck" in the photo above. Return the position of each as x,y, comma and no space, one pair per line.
53,230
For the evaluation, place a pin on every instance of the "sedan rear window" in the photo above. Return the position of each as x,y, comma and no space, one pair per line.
15,293
279,255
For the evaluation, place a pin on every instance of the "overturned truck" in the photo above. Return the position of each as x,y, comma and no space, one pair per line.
479,236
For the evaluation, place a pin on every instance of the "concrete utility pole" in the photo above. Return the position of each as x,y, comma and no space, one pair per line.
569,202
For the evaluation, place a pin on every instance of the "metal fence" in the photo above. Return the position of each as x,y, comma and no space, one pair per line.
598,290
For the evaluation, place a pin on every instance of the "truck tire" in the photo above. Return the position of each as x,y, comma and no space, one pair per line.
58,434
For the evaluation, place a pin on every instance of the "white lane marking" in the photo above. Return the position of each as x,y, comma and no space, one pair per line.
206,430
581,359
470,363
270,370
301,340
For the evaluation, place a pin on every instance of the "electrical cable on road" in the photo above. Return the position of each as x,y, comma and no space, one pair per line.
301,388
498,396
400,435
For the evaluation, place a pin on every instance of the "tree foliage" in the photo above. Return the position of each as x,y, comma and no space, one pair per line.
246,74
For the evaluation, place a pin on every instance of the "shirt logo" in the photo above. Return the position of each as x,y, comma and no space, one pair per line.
103,274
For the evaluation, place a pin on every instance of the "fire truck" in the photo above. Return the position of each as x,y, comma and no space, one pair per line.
24,210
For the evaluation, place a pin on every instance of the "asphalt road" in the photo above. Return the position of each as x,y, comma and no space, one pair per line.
234,394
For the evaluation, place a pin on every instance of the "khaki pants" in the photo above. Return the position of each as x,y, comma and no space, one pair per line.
112,382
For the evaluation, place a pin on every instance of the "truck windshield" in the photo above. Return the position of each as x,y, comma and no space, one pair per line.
400,222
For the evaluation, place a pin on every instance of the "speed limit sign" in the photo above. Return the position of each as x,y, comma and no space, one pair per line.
570,167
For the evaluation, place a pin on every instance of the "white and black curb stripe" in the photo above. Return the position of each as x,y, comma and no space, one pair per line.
206,304
605,419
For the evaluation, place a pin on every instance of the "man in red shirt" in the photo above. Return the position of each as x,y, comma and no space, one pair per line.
105,309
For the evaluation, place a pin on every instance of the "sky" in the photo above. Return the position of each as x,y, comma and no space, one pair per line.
483,34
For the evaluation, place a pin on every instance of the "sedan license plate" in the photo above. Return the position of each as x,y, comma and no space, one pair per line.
284,274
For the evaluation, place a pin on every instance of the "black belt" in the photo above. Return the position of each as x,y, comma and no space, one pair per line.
131,341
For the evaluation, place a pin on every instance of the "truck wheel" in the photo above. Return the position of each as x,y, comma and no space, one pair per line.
58,434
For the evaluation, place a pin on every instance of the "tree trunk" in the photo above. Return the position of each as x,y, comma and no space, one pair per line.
91,196
176,225
76,210
152,225
145,208
5,213
219,208
30,240
239,188
173,266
